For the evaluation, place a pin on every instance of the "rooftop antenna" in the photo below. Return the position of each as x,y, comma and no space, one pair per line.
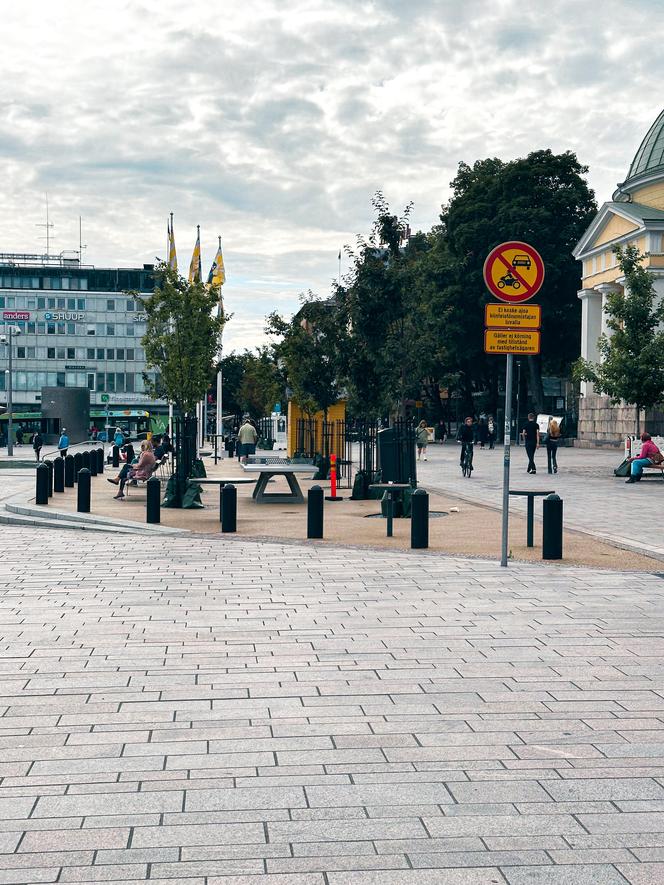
48,226
81,247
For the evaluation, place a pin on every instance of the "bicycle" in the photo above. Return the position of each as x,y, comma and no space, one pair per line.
467,459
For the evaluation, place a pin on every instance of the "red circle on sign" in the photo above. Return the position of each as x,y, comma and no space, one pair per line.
514,272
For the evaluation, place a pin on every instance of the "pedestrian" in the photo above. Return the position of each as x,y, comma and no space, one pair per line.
247,438
37,443
552,440
63,443
422,439
118,437
19,436
440,433
531,437
483,431
491,428
95,433
648,456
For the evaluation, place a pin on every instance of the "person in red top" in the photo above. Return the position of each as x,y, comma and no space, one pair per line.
649,454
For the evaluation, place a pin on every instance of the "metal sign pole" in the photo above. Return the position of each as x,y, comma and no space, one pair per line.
506,458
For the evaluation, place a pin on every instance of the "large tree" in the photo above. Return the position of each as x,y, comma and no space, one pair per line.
181,338
632,366
542,199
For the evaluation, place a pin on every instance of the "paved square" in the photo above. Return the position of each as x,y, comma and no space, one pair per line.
216,712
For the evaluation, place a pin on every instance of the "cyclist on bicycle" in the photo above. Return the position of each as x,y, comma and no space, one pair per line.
466,436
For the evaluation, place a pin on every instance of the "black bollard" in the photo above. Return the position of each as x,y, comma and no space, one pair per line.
59,475
41,492
49,467
83,503
93,462
78,465
85,459
69,472
419,520
552,527
153,501
116,456
231,448
100,460
315,512
229,508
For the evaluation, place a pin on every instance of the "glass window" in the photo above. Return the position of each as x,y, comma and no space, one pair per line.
71,328
41,303
91,380
20,353
2,301
32,380
61,353
71,353
70,379
110,382
130,353
110,353
100,353
41,328
51,303
90,353
20,380
100,382
131,304
41,379
110,329
60,379
110,304
71,304
31,327
129,382
62,327
31,352
81,379
61,303
92,329
80,304
65,282
119,382
83,284
50,328
11,301
32,303
51,378
2,381
130,331
119,353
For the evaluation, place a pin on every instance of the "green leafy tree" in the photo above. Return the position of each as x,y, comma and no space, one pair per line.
181,338
542,199
632,365
312,351
262,385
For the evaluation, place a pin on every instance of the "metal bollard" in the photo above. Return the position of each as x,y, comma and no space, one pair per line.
315,512
419,520
116,456
552,527
153,513
85,459
229,508
83,502
78,465
59,475
41,492
69,472
231,448
93,462
49,467
100,460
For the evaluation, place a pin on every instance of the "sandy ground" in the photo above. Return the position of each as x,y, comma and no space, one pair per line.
467,529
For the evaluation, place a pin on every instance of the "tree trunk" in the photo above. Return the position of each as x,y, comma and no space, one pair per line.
637,420
535,386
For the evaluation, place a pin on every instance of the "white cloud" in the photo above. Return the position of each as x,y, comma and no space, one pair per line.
272,123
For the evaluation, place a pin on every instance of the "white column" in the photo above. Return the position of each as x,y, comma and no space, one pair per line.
591,329
605,289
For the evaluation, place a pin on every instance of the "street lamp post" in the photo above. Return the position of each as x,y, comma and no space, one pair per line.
11,330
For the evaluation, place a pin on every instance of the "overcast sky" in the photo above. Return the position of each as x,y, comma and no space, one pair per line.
272,122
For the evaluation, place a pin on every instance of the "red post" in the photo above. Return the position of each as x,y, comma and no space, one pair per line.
333,480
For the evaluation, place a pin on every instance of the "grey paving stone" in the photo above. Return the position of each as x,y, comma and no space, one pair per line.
202,834
488,876
378,794
598,874
499,791
73,840
245,798
102,803
643,874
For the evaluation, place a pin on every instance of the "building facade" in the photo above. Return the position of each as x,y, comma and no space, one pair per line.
635,216
80,328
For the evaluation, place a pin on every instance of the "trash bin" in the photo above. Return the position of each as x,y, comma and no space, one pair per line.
396,454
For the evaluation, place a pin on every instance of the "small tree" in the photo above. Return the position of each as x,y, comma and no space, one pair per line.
181,338
632,366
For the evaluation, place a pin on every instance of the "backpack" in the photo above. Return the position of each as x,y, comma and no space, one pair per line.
622,469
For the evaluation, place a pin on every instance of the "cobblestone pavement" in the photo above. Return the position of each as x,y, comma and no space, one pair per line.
594,500
217,712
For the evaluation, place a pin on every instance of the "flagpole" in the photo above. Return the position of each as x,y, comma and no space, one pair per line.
339,281
171,241
220,379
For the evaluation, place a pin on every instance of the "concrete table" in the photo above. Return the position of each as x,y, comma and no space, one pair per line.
267,471
531,495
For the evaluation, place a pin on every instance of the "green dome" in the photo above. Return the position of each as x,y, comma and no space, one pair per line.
650,156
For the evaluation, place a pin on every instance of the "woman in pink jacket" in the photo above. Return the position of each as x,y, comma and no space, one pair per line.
143,469
648,455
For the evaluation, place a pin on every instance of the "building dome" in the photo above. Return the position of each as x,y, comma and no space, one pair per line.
649,159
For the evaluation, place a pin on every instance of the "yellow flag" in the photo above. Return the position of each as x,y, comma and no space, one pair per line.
217,275
172,256
195,266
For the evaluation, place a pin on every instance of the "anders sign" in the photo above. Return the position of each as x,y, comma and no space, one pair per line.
514,272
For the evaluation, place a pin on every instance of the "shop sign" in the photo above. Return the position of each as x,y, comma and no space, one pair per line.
15,315
64,316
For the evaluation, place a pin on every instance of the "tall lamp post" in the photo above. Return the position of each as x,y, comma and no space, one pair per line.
7,339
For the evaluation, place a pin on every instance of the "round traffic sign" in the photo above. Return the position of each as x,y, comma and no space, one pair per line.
514,272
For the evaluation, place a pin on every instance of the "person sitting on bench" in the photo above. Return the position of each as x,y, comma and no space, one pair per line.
139,471
648,456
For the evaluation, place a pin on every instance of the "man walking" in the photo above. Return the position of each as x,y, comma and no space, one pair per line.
63,443
247,438
531,437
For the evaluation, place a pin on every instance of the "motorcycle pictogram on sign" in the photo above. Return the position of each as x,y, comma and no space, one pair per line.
514,272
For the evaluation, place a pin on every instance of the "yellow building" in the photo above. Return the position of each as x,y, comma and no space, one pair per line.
634,216
313,436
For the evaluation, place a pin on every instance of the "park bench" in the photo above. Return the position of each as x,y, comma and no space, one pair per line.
156,467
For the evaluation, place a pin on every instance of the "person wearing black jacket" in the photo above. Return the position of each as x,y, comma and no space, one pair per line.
466,436
531,437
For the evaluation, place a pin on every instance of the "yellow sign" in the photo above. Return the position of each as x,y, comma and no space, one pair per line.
513,316
511,341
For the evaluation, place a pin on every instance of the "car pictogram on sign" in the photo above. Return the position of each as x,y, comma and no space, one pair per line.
521,261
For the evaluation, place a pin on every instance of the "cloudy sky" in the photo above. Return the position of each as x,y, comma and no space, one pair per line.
272,122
